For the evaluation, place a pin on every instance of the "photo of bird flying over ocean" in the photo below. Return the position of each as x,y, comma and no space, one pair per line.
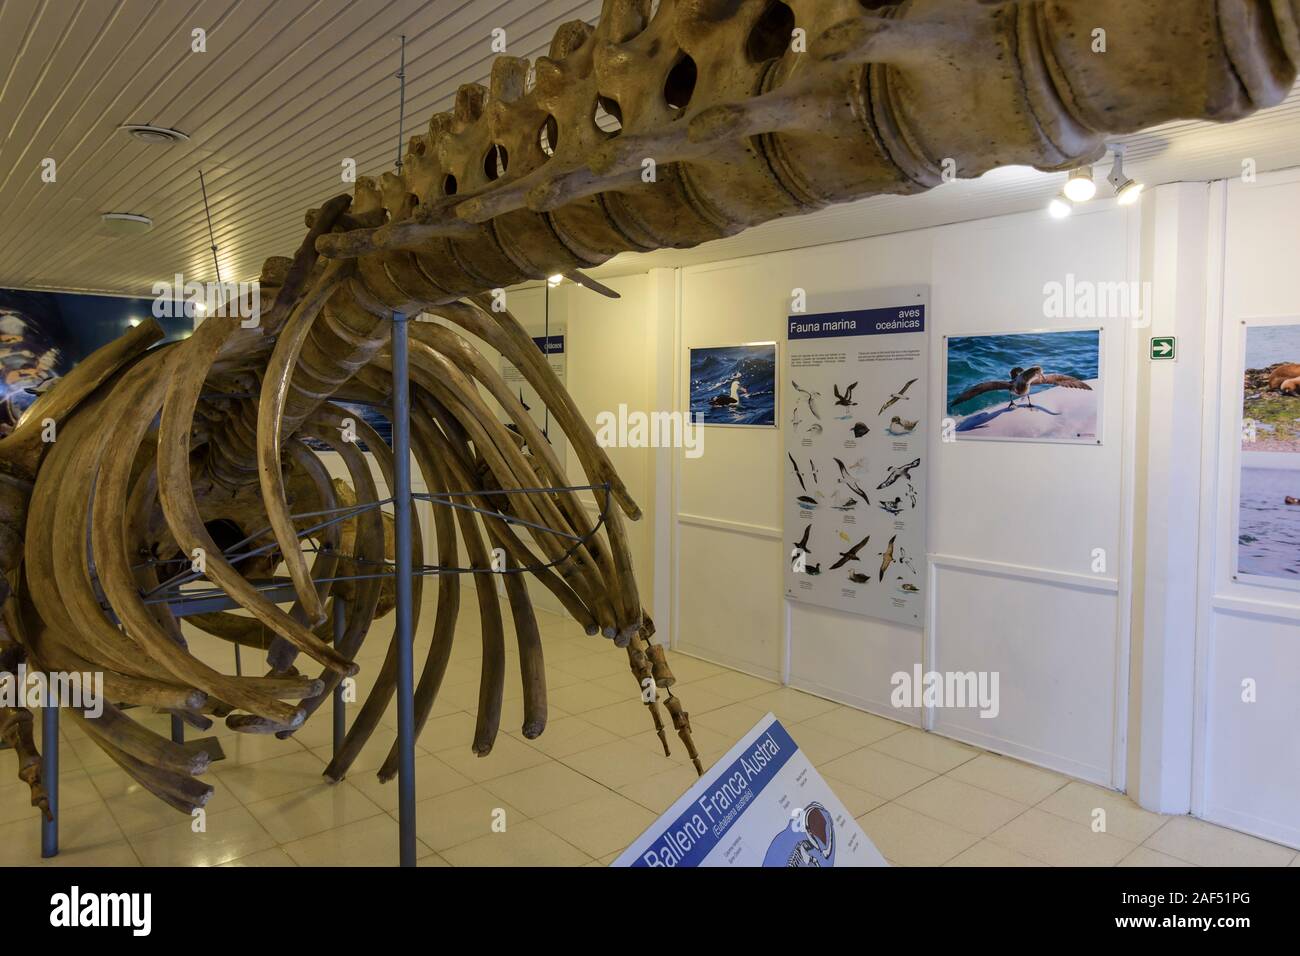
1042,386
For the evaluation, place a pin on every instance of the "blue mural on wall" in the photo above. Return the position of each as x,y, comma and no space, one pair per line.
43,335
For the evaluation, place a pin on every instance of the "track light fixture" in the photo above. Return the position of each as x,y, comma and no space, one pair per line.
1127,191
1060,207
1080,187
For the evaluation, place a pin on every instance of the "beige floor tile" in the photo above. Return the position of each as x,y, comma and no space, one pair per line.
985,853
911,839
818,746
594,666
698,701
960,805
580,698
618,764
687,669
736,686
1060,842
732,721
1208,845
461,816
661,791
448,731
926,750
275,856
75,790
544,788
508,755
369,842
569,735
601,825
271,778
1009,778
306,812
856,800
526,843
1144,856
1125,819
707,742
228,835
877,773
624,719
853,725
791,706
85,830
117,854
432,777
254,748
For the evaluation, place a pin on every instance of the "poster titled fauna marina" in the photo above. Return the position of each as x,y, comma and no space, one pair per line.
1268,490
855,459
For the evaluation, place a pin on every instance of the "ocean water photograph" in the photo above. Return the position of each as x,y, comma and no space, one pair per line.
1025,386
734,385
1268,502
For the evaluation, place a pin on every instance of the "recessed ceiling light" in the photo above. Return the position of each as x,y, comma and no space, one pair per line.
154,135
554,281
126,223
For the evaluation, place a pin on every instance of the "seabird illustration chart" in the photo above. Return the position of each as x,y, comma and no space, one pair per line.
1019,384
847,479
842,365
797,473
887,557
851,554
899,396
902,471
810,398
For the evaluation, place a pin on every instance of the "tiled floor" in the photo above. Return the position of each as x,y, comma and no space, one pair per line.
594,781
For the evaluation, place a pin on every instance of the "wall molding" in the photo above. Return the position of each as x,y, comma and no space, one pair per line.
733,527
1249,607
1069,579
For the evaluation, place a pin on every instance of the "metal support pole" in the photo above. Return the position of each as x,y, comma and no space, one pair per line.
178,730
340,708
404,624
50,777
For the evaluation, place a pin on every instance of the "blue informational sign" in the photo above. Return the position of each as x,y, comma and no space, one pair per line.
550,345
762,804
888,321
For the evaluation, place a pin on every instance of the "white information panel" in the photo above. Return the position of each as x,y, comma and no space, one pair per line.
855,426
762,804
553,348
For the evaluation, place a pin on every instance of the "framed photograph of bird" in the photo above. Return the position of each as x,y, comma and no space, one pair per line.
734,385
1039,386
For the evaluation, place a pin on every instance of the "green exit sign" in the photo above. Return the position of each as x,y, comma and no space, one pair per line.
1164,348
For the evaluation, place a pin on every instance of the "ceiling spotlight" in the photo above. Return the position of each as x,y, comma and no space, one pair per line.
154,135
554,281
133,322
1080,187
1060,208
1127,191
126,223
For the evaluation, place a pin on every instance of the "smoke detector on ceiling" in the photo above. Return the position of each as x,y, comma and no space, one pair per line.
126,223
154,135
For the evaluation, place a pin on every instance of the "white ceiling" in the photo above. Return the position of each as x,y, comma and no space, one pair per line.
290,88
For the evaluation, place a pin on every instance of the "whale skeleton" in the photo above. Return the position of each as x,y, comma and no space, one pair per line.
731,113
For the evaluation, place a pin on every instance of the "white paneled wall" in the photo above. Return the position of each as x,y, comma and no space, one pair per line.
1248,754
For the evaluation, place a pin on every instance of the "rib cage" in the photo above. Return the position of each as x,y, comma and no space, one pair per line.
733,113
